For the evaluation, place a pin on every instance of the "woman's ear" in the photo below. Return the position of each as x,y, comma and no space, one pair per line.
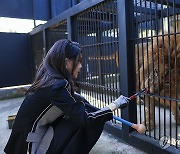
69,64
66,61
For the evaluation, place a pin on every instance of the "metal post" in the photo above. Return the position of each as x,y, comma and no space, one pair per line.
33,11
126,60
44,42
69,27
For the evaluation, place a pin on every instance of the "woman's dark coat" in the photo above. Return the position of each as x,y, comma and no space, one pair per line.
58,120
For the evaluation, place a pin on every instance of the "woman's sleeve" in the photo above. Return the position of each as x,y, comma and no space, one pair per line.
63,99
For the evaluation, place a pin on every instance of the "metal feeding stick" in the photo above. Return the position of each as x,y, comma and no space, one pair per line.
138,127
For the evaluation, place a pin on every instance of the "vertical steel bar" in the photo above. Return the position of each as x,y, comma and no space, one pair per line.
146,41
142,55
157,72
108,33
112,58
34,19
69,28
101,52
112,52
44,42
93,51
96,55
147,54
162,23
126,59
104,93
138,60
90,51
169,66
86,44
114,25
109,53
81,34
149,107
175,74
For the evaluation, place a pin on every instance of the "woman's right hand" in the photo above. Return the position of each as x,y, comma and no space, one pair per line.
120,102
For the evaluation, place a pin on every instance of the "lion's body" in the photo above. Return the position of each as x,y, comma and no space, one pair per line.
159,71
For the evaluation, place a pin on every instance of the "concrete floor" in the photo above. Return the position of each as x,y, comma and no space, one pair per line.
106,144
7,107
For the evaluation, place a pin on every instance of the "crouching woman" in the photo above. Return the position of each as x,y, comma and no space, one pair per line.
52,118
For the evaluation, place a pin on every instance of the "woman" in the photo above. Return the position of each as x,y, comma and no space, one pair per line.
52,118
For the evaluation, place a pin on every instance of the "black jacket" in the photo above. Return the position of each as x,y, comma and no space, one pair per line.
75,130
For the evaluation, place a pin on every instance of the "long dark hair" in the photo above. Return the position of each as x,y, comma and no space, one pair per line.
53,66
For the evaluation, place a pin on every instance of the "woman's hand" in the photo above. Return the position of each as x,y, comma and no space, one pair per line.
120,102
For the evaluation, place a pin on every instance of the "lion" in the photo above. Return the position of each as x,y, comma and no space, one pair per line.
159,71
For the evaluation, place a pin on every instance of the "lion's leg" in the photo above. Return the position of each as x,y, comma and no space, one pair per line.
175,108
149,112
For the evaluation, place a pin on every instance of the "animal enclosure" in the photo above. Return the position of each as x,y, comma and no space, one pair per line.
127,46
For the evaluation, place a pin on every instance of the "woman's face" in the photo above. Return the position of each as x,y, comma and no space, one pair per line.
69,67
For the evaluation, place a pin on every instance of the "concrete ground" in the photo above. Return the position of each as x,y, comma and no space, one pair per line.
106,144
